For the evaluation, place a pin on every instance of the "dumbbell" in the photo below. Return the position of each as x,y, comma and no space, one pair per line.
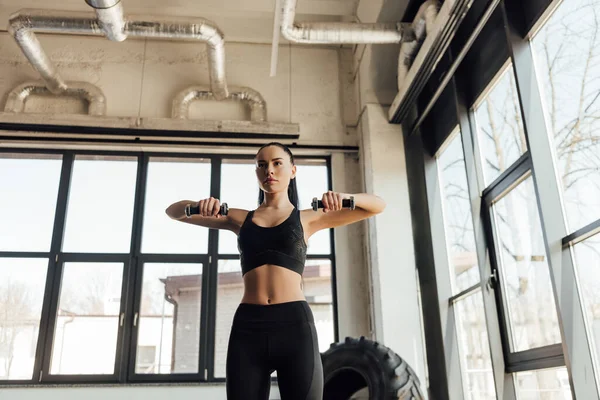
346,203
191,210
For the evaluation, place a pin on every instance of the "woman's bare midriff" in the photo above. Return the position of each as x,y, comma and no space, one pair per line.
272,284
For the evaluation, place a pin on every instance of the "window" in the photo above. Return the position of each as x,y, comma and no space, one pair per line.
458,222
543,384
524,272
127,298
22,283
29,185
467,305
587,261
100,205
566,52
169,319
500,126
476,361
87,319
168,179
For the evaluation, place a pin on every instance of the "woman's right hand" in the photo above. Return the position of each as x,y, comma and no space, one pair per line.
210,207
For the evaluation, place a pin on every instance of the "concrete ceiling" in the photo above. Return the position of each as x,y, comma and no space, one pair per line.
241,20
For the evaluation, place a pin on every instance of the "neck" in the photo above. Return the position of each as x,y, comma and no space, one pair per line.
278,200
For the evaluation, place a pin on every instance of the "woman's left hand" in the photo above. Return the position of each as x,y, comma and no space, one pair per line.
332,201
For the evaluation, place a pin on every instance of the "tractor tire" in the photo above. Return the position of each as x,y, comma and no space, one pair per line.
355,364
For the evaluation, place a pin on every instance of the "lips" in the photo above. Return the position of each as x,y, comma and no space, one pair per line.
270,180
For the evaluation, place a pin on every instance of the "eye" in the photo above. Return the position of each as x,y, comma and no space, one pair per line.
277,162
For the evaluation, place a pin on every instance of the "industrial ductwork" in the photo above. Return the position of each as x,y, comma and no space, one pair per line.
422,26
83,90
253,99
338,32
110,18
24,24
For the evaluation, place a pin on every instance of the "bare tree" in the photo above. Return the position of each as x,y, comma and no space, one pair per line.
17,315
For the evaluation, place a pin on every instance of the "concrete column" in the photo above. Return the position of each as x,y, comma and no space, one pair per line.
389,245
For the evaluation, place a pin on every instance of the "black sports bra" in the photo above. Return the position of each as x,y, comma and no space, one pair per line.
281,245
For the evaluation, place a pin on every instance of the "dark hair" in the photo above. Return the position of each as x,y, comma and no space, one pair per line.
292,188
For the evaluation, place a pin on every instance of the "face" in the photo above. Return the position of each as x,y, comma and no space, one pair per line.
274,169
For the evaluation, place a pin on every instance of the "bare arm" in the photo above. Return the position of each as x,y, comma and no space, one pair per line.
332,216
212,220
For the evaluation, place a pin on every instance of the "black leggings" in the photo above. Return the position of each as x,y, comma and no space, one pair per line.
277,337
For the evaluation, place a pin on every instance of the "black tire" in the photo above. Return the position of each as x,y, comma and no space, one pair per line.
358,363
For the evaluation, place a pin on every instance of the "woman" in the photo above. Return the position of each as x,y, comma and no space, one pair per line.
273,327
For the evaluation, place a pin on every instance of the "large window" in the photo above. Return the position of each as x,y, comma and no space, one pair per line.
97,284
467,303
567,51
569,79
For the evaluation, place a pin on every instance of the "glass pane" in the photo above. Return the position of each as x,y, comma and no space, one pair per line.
169,319
239,185
525,275
544,384
474,347
566,53
458,222
587,264
22,284
239,189
26,223
317,290
229,294
87,321
312,182
100,208
500,127
170,180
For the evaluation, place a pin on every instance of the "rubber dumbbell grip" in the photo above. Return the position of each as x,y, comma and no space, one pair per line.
346,203
195,210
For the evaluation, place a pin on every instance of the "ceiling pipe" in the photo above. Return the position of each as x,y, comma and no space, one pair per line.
339,32
110,18
253,99
24,24
92,94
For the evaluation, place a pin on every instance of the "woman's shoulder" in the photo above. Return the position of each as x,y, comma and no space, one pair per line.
237,216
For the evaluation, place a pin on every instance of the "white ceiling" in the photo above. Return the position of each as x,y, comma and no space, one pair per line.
240,20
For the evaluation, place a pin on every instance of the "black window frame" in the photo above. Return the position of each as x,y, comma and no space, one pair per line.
133,263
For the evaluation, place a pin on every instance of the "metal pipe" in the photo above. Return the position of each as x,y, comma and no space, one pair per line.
189,29
337,32
253,99
110,18
25,23
83,90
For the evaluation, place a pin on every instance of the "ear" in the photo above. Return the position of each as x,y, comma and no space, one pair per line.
293,171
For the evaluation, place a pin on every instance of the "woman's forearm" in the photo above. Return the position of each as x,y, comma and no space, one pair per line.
368,202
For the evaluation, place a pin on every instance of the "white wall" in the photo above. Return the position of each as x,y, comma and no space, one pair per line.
141,77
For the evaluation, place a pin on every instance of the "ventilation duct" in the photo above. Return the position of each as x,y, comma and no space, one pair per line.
338,32
422,26
24,24
83,90
253,99
438,37
110,18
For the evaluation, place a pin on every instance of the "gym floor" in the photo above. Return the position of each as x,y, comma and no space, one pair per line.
480,130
